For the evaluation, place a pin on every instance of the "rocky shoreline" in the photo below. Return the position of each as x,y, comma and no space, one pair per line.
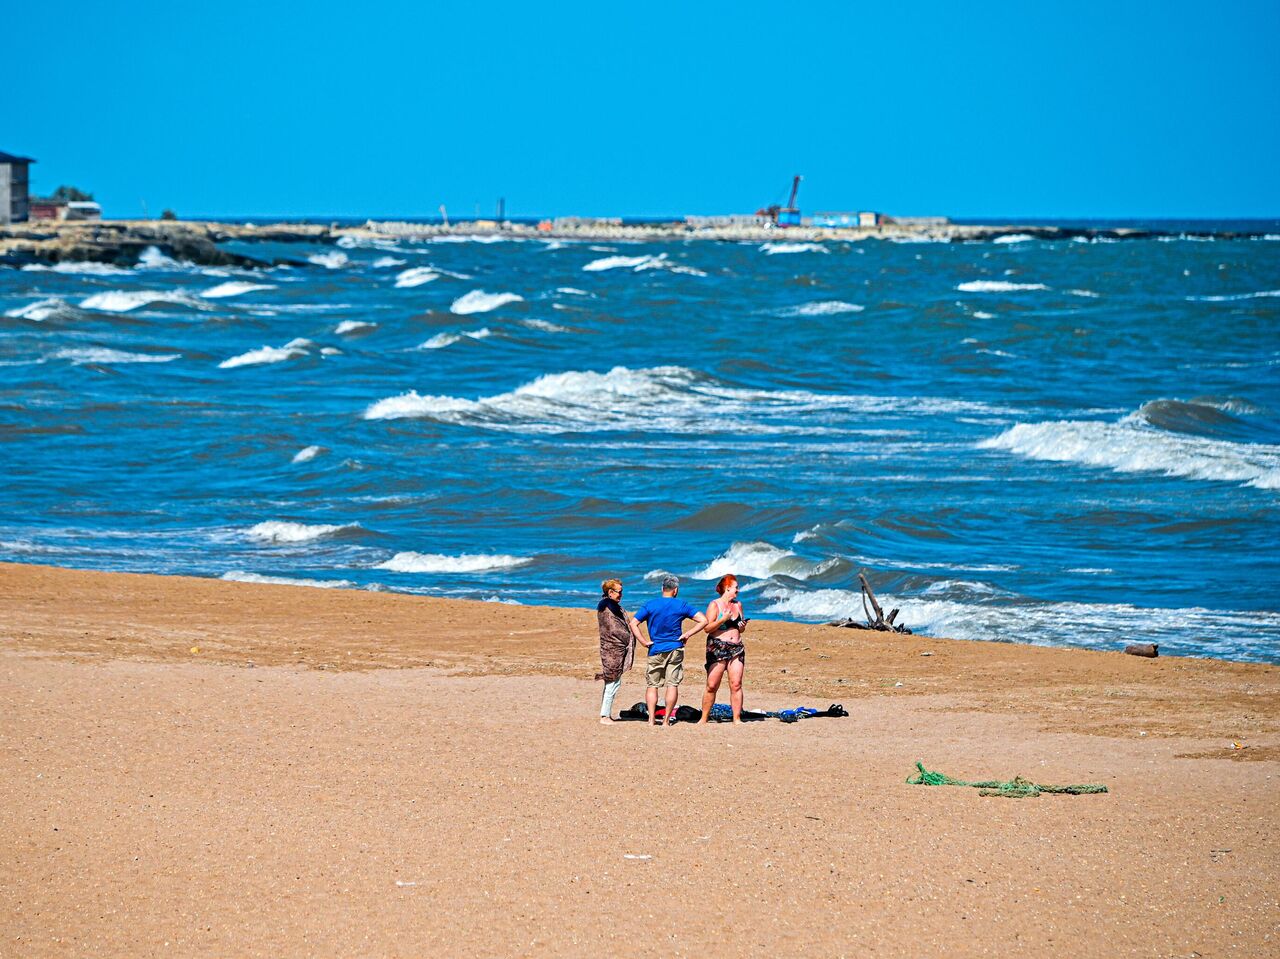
123,242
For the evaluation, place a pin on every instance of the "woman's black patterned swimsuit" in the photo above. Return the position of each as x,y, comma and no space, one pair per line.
723,651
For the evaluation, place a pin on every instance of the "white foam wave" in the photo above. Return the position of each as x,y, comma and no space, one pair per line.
416,276
76,267
387,262
639,263
759,560
240,576
997,286
821,308
1229,633
441,340
665,398
266,354
980,315
1013,238
278,531
353,326
234,288
99,354
122,301
478,301
37,311
307,454
1086,293
1131,446
546,326
572,291
410,562
332,260
772,249
153,259
1262,294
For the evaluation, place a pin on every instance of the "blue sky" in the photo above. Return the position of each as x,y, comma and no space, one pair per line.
393,108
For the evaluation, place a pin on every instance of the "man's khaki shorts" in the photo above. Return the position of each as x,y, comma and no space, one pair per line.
665,669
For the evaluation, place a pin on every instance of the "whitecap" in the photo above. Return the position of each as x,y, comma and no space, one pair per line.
1013,238
99,354
278,531
37,311
997,286
639,263
416,276
980,315
572,291
387,262
266,354
1086,293
234,288
821,308
478,301
447,339
307,454
240,576
666,398
333,260
410,562
353,326
153,259
772,249
759,560
1262,294
1131,446
546,326
122,301
76,267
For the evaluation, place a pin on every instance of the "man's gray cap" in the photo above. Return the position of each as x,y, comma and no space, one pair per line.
670,582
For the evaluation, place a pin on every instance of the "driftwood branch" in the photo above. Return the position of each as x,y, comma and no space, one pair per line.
876,618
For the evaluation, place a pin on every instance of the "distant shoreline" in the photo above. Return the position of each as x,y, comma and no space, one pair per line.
122,242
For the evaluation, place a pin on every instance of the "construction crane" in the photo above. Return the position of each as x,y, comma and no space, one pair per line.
787,215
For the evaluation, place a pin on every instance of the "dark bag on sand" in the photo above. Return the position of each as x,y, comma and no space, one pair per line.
637,713
640,713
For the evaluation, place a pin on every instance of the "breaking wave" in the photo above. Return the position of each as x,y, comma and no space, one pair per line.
1157,438
665,398
40,310
333,260
307,454
441,340
638,264
234,288
266,354
74,267
772,249
1013,238
122,301
416,276
278,531
101,354
478,301
997,286
760,560
1260,295
353,326
821,308
410,562
240,576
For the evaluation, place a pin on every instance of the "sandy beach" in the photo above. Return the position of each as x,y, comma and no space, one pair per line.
195,767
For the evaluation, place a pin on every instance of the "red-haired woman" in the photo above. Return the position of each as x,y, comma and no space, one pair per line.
725,652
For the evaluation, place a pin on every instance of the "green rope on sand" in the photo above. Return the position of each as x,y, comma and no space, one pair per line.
1016,788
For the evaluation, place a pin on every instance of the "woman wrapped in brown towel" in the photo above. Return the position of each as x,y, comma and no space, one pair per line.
617,644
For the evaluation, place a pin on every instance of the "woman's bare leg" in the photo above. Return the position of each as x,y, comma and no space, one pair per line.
714,675
736,669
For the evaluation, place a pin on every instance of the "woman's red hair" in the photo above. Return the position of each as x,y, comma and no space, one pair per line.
725,580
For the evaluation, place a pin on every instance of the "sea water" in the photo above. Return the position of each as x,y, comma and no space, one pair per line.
1053,442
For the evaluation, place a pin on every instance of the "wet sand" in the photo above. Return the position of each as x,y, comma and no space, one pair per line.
194,767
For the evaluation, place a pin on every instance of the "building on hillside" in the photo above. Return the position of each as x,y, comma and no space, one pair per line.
43,208
14,182
82,210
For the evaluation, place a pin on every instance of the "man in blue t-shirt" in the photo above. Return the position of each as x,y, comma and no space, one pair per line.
665,616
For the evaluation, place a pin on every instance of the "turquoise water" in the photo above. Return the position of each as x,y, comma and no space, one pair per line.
1062,443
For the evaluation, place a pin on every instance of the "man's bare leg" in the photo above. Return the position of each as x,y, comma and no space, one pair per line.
651,700
673,697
